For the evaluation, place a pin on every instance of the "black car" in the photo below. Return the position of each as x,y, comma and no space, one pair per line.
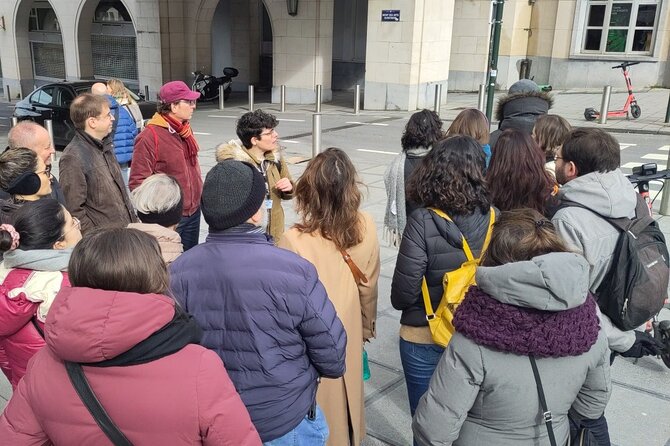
52,101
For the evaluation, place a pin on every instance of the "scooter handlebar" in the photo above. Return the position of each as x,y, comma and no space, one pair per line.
626,64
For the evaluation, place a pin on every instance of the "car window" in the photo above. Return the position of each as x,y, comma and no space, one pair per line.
65,97
43,96
82,89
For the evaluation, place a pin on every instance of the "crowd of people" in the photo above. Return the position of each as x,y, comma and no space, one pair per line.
117,326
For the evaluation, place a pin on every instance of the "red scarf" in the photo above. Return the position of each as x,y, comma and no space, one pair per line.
184,131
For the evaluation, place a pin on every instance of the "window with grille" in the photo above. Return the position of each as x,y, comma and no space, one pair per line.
620,27
48,59
114,56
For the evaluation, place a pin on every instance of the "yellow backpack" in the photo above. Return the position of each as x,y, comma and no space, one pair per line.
456,283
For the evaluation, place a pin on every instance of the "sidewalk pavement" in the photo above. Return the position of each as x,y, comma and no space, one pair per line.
639,408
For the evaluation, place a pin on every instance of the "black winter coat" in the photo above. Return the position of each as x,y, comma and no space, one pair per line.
431,246
520,111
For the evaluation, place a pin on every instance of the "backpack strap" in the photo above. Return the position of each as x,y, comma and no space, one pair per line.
546,413
623,224
81,385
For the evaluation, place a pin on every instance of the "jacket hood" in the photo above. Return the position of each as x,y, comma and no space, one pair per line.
38,259
610,194
523,103
90,325
551,282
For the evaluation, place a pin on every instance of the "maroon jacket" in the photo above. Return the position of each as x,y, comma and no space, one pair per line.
185,398
161,150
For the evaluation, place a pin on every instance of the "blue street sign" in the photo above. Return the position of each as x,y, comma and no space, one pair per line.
390,15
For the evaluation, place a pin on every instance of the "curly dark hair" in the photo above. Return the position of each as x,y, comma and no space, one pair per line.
423,129
516,175
251,125
328,197
450,177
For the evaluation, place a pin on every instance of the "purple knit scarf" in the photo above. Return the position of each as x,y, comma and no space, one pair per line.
522,331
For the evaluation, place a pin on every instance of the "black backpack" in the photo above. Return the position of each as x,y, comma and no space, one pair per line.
635,287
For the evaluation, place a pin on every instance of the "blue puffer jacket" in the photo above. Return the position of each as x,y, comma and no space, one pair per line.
126,131
265,312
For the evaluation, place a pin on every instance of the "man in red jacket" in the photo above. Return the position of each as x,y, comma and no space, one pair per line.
167,145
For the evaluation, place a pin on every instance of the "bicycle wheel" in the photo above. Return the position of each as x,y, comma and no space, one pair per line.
635,111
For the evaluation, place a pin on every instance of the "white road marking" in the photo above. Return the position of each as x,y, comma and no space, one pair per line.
202,133
637,163
367,123
4,118
291,120
664,148
289,141
625,146
222,116
377,151
655,156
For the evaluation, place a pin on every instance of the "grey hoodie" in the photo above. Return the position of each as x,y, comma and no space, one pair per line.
483,396
611,195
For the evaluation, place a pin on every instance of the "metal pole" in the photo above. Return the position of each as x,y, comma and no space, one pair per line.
481,98
357,100
665,199
493,62
146,93
48,123
316,134
251,98
9,94
221,97
667,112
605,104
15,121
318,98
438,98
282,98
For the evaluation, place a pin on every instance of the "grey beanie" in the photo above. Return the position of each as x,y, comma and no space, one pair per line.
523,86
232,193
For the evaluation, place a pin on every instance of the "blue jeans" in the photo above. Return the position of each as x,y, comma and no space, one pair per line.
307,433
189,230
418,363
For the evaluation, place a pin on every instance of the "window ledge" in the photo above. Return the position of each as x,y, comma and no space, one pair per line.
612,58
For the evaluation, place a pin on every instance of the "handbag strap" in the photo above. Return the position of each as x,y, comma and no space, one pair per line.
359,277
81,385
546,413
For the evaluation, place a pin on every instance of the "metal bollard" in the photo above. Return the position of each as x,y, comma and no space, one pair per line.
48,123
15,121
146,93
357,100
481,98
221,97
251,98
316,134
438,98
667,112
318,99
282,98
9,94
605,104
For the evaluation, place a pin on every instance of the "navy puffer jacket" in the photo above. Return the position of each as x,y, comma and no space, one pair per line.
265,312
431,246
126,131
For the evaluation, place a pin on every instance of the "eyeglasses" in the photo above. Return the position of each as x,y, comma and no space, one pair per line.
47,171
185,101
108,115
271,132
76,224
556,157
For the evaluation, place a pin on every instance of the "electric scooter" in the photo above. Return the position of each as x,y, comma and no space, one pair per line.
641,177
591,114
208,85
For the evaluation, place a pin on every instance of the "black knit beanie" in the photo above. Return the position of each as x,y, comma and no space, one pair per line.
232,193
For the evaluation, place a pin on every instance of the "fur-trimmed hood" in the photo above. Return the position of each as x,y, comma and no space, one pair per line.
523,103
234,149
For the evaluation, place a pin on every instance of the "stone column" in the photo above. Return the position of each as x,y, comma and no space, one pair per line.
147,22
303,48
407,58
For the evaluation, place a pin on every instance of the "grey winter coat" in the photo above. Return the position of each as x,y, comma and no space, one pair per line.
609,194
483,396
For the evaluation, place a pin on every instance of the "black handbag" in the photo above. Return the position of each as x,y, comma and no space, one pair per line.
579,436
81,385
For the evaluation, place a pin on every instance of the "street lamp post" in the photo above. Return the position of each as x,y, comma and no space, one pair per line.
493,54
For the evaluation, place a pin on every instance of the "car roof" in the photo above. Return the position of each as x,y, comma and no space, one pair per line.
73,84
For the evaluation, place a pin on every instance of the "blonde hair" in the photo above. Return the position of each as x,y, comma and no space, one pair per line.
119,91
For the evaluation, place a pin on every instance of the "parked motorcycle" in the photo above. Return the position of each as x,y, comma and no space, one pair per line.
208,85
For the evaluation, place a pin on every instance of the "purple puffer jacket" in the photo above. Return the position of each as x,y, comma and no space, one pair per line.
265,312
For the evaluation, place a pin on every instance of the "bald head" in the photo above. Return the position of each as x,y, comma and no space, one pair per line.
99,89
33,136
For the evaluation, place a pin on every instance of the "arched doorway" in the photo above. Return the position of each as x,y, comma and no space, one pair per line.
38,34
113,43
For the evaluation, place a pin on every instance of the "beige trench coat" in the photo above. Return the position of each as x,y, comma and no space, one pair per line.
342,399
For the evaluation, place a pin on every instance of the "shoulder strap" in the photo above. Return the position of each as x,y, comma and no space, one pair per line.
80,384
466,247
359,277
116,120
623,224
546,413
